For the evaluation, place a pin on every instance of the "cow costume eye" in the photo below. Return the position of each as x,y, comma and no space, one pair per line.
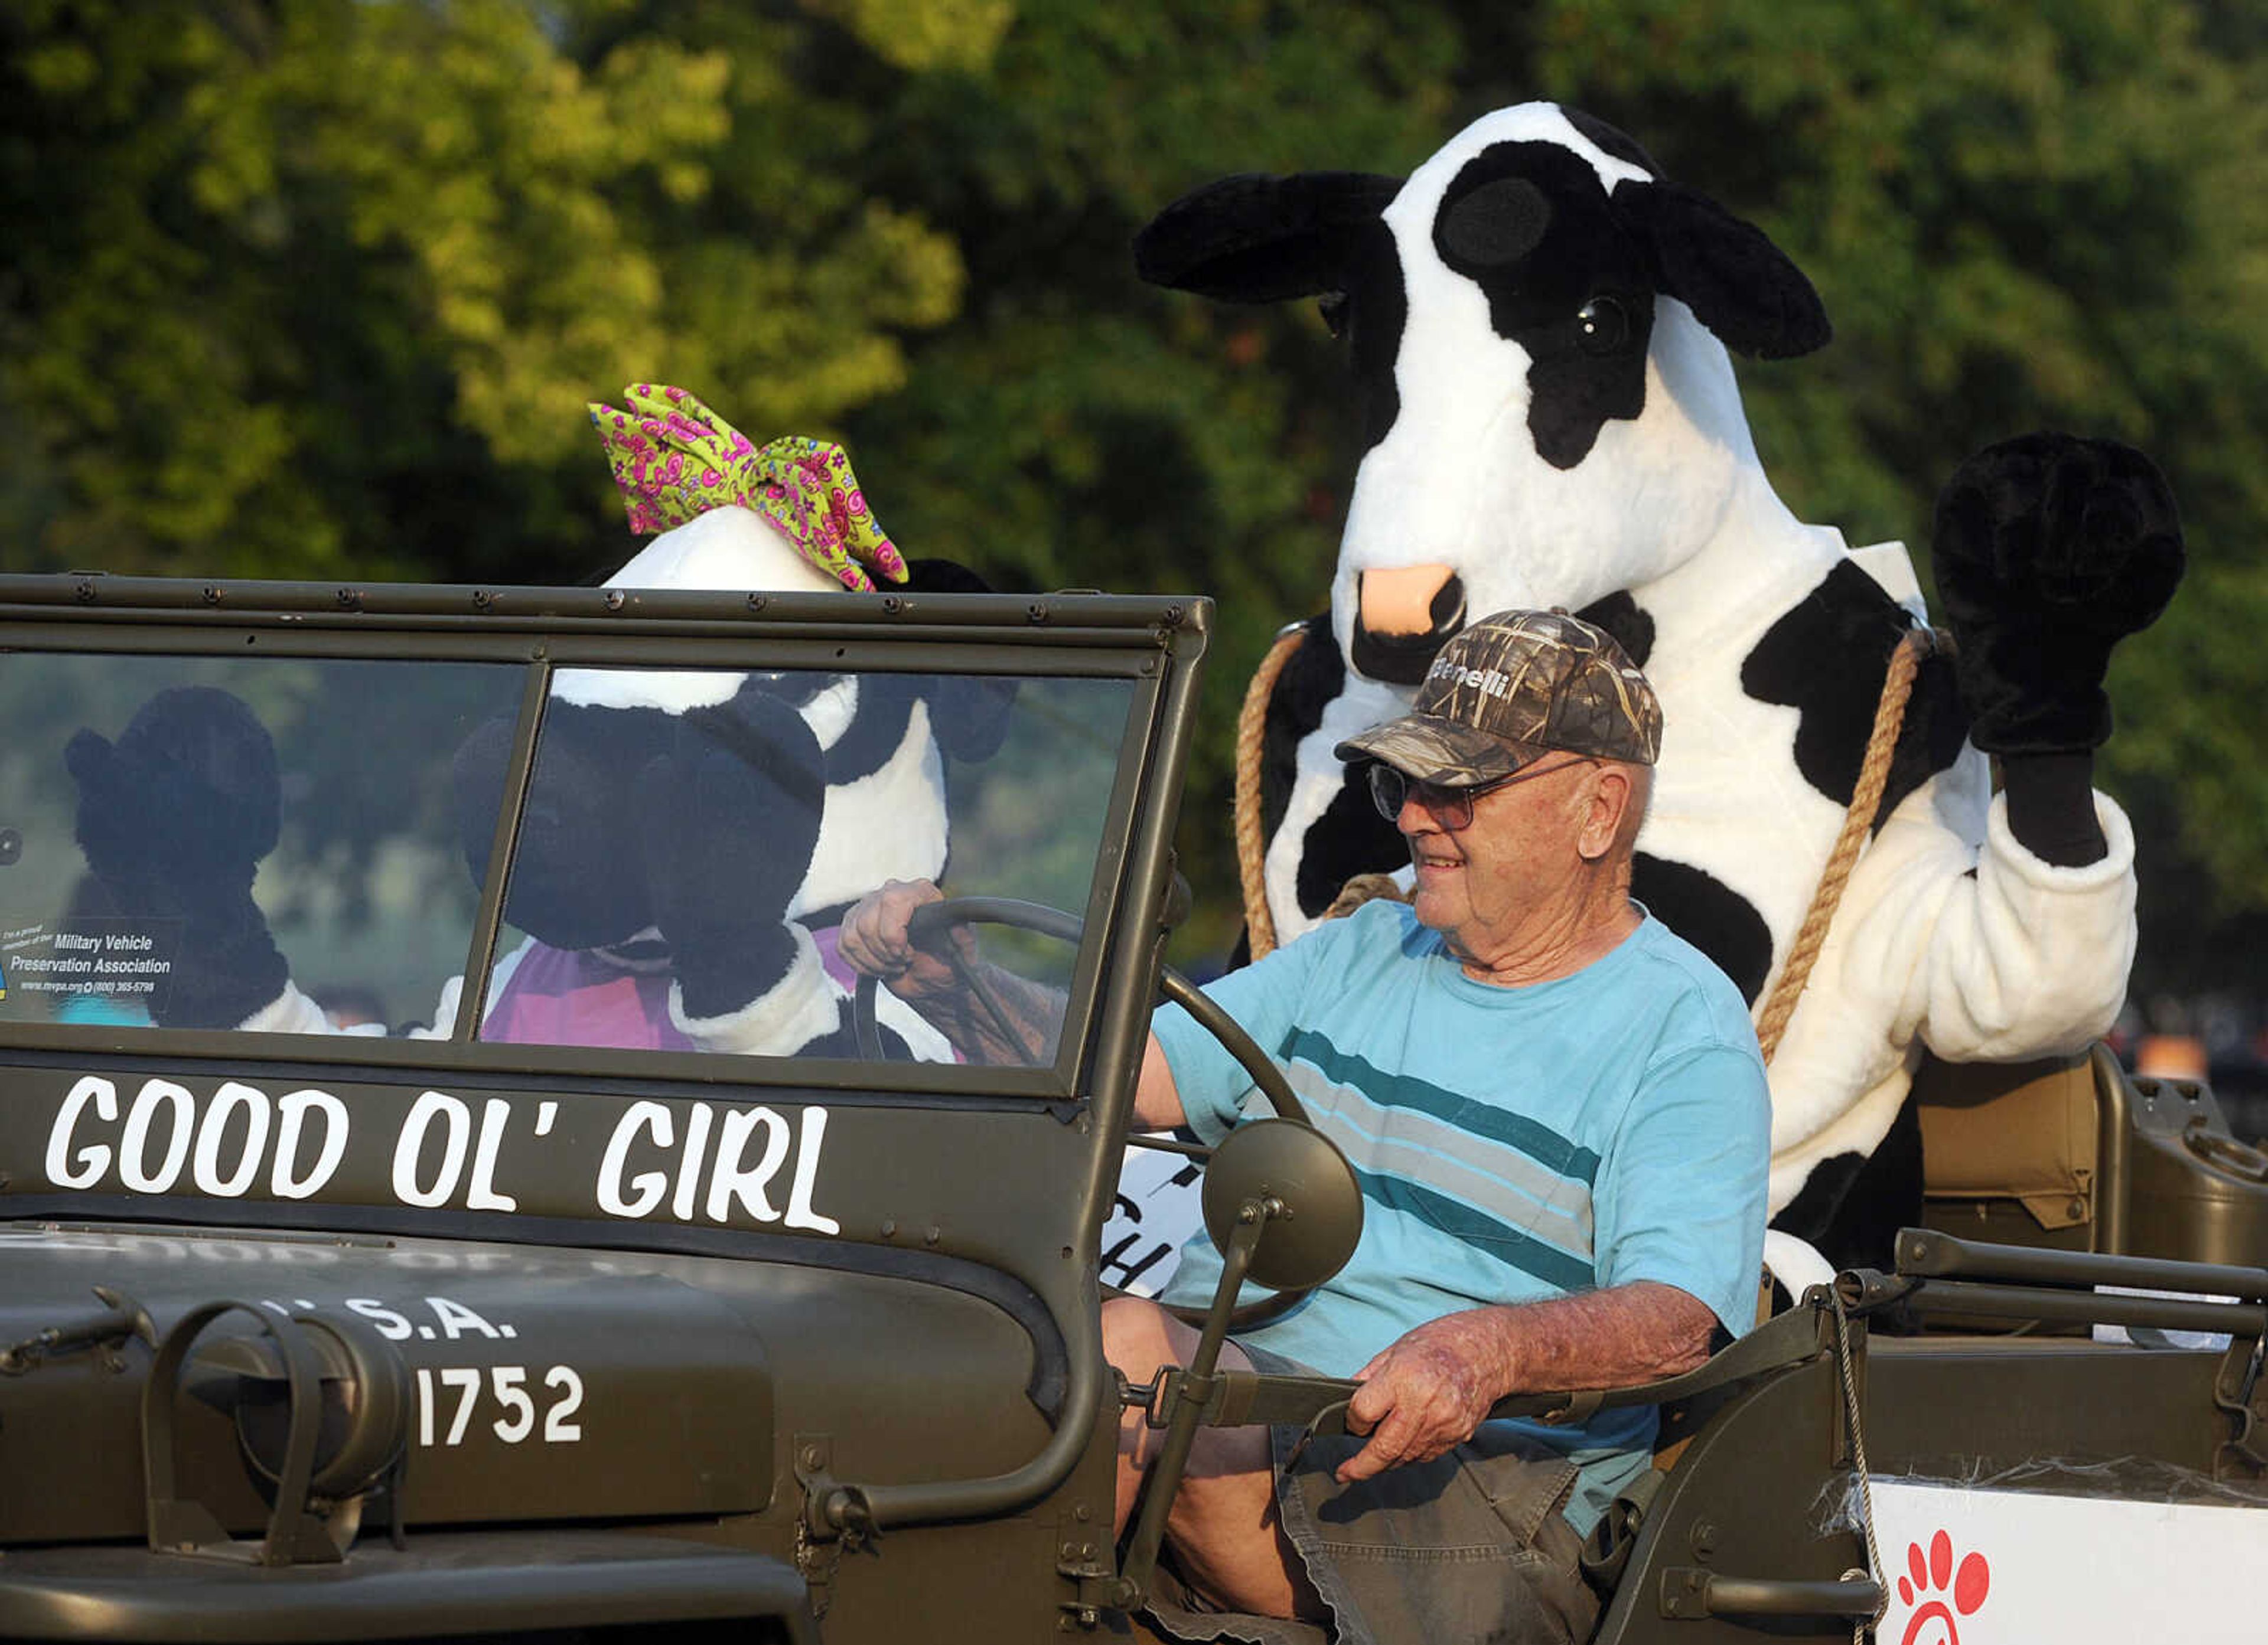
1603,325
1333,305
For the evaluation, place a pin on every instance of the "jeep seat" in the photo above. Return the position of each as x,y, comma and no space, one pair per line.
2078,1154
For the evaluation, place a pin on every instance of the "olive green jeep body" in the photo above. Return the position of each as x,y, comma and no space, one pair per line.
413,1331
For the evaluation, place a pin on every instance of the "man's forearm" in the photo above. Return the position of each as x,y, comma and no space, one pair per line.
1430,1388
1606,1339
1021,1031
1157,1099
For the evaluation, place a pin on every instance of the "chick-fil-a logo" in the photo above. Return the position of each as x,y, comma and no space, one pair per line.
1943,1593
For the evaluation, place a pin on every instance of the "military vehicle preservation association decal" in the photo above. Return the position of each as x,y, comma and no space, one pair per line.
693,1161
94,970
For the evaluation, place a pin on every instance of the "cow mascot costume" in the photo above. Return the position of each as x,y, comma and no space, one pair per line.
689,837
1540,321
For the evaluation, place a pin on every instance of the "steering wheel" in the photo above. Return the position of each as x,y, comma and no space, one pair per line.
927,930
924,930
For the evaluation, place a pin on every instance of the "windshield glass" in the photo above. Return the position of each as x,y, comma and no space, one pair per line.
179,836
692,840
297,846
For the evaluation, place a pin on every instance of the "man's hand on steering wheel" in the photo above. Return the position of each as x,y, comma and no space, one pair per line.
873,939
991,1015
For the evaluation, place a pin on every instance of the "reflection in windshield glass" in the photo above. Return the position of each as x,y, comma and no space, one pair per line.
296,846
692,840
210,842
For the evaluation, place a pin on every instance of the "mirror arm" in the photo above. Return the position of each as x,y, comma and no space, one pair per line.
1194,1389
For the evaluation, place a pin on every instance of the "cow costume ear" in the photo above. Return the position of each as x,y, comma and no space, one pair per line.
1739,285
1256,238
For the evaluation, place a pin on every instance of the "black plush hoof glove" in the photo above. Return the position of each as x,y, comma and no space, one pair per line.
2049,549
174,818
729,819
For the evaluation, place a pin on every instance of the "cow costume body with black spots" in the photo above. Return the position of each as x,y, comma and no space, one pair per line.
1539,323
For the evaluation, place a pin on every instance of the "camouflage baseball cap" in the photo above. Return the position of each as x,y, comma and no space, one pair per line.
1511,687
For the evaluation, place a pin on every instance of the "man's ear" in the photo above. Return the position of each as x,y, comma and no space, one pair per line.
1611,795
1726,270
1257,238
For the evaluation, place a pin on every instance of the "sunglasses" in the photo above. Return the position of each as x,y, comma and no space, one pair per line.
1449,805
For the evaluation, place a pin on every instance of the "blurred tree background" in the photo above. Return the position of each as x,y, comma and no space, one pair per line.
318,288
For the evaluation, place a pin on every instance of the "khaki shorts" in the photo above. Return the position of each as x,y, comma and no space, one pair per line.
1469,1546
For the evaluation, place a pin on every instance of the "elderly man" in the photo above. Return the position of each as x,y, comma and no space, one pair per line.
1558,1116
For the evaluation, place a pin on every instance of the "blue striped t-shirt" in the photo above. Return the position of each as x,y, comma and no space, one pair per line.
1513,1143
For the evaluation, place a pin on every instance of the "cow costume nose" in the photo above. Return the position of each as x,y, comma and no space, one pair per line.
1402,616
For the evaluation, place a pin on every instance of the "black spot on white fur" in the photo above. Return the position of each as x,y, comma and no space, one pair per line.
1350,837
1530,223
1611,140
1851,1206
1848,615
1373,311
1628,622
877,728
1709,914
1315,674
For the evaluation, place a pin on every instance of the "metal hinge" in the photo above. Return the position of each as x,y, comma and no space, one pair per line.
1084,1555
820,1541
1099,1586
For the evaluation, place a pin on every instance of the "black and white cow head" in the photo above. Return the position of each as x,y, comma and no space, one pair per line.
866,750
1539,323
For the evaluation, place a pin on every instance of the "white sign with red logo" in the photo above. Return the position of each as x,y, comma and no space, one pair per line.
1991,1567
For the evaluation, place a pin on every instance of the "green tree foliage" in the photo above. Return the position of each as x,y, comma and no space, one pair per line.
321,288
318,287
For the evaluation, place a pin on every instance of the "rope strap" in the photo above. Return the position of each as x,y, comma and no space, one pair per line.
1865,800
1251,843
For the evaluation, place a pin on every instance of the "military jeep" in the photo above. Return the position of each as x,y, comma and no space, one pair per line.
398,1326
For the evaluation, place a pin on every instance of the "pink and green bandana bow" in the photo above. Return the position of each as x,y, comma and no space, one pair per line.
675,459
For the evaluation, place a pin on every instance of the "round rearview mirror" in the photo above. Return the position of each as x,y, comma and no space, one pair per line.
1303,1170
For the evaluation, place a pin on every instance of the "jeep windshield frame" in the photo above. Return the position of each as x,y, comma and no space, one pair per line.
1150,644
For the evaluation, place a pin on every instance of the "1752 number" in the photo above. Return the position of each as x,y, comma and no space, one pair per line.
507,1387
